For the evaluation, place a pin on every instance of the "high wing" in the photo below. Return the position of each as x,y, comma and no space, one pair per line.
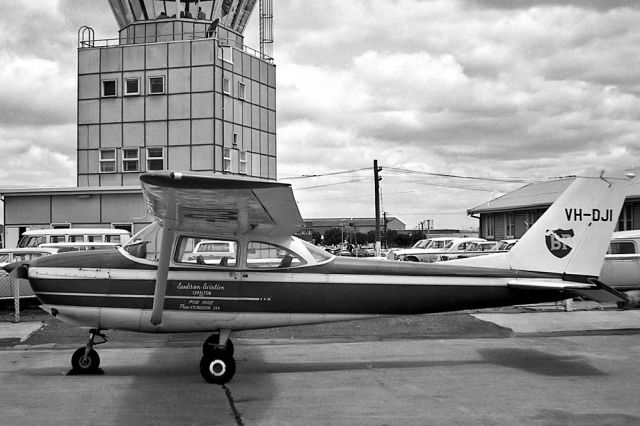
224,206
198,202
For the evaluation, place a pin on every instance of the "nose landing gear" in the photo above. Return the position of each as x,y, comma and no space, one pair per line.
86,360
217,364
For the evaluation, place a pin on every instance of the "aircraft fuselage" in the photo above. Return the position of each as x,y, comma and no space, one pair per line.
109,290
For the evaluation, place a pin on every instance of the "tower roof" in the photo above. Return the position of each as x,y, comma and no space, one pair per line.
232,14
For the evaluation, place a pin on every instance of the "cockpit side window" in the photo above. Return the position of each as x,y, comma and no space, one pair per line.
265,255
202,251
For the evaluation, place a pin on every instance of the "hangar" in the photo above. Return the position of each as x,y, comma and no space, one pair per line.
510,215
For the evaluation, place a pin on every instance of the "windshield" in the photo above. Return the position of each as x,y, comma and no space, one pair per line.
422,244
146,243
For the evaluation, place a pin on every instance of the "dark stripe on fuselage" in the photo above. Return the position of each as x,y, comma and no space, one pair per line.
272,297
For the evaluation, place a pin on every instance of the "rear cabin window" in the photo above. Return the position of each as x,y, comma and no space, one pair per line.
264,255
200,251
622,247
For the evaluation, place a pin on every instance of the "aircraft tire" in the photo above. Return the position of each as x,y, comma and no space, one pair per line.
86,365
211,343
217,367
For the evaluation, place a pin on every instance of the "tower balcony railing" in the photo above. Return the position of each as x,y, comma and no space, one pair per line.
86,40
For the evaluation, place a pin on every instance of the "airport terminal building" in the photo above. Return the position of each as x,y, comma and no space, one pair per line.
177,89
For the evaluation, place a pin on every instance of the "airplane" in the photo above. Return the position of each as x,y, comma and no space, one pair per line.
268,278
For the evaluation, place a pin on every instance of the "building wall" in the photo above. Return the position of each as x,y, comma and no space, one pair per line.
77,210
629,219
194,121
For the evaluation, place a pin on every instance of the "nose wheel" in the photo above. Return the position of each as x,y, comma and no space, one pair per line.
217,364
86,360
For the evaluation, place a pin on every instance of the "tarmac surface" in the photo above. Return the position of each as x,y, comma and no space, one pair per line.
511,366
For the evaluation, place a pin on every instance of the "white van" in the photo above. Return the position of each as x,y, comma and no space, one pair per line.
38,237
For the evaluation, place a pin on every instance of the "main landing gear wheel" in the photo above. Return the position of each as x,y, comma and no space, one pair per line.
217,366
85,363
213,343
86,360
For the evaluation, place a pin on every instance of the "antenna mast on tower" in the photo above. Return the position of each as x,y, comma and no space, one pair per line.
266,28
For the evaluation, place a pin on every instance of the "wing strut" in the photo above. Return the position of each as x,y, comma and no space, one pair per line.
168,230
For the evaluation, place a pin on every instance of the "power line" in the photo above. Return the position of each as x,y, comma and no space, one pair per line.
447,175
325,174
332,184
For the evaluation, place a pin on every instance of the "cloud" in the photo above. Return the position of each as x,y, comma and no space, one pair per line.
535,89
482,88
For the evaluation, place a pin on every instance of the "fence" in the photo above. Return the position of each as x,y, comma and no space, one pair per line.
14,288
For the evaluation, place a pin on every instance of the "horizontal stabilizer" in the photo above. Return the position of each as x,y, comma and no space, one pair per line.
549,284
593,290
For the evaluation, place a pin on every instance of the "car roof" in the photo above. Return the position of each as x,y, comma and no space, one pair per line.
76,231
18,250
626,234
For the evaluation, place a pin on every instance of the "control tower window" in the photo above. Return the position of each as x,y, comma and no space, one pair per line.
109,88
107,160
241,90
156,85
130,160
155,158
226,163
225,53
243,162
131,86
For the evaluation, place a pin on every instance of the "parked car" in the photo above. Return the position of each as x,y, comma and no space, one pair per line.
212,251
458,246
421,253
37,237
505,245
621,268
478,248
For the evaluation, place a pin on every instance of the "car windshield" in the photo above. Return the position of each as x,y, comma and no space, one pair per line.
421,244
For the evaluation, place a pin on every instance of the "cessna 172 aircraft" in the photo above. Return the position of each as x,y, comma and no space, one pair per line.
255,274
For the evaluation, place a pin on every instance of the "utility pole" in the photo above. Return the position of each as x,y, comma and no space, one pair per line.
386,238
376,186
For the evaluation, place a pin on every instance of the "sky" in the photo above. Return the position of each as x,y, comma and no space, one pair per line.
501,92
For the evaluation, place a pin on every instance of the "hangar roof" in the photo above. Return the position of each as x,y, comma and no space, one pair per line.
539,194
19,192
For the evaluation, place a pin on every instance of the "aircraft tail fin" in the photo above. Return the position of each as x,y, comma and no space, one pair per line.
573,235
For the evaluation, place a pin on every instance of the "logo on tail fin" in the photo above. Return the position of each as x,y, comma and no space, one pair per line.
556,240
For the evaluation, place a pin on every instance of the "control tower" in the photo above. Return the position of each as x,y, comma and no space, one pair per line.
177,89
